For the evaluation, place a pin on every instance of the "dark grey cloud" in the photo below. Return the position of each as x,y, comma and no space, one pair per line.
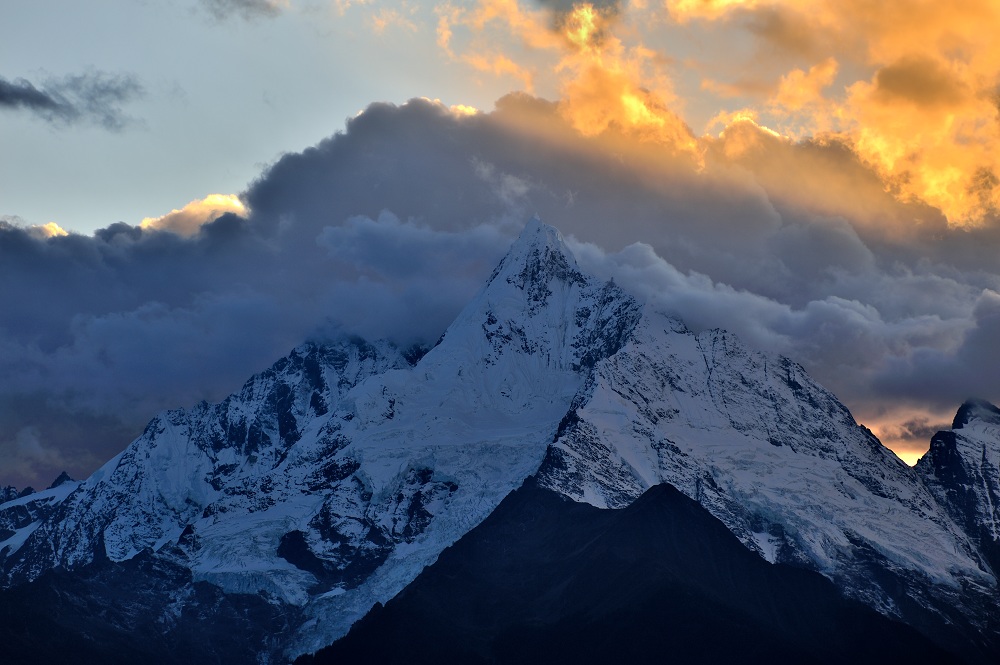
246,9
921,81
782,29
796,246
22,94
918,430
92,97
387,228
967,367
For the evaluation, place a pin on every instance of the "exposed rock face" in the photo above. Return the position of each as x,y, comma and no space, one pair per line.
962,469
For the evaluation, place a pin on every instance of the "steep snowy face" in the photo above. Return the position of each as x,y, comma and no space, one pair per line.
187,460
330,480
428,454
537,304
962,469
21,515
768,451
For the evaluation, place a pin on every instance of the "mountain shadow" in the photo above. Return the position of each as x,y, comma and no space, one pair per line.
547,580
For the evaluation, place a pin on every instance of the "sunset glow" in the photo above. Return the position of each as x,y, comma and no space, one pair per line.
916,101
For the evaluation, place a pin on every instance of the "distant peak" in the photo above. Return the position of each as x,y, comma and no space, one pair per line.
976,409
538,256
538,235
63,478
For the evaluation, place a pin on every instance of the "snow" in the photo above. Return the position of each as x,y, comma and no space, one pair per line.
757,443
50,496
15,542
38,505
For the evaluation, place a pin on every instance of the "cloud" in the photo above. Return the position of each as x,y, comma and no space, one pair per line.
908,430
795,245
604,82
22,94
785,32
800,89
925,372
843,211
401,18
49,230
245,9
189,219
388,228
909,86
919,80
93,97
408,272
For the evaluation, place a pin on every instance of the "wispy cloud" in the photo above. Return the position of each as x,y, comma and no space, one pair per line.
92,98
245,9
401,18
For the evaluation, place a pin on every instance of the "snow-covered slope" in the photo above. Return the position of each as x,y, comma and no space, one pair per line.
446,442
21,515
192,465
333,478
770,453
330,480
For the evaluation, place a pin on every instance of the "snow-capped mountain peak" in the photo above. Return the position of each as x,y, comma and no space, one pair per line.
329,481
978,413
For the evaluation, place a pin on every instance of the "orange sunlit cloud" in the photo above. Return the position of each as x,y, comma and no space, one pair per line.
48,230
190,218
910,86
603,83
612,85
924,115
799,90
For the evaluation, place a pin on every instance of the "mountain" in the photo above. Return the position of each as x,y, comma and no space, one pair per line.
780,462
10,493
962,470
23,512
333,478
284,514
545,579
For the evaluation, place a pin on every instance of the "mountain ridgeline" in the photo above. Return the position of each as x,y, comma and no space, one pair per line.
568,470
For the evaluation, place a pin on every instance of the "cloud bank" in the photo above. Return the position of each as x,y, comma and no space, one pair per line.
388,228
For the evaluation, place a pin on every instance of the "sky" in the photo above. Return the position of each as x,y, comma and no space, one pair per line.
191,188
